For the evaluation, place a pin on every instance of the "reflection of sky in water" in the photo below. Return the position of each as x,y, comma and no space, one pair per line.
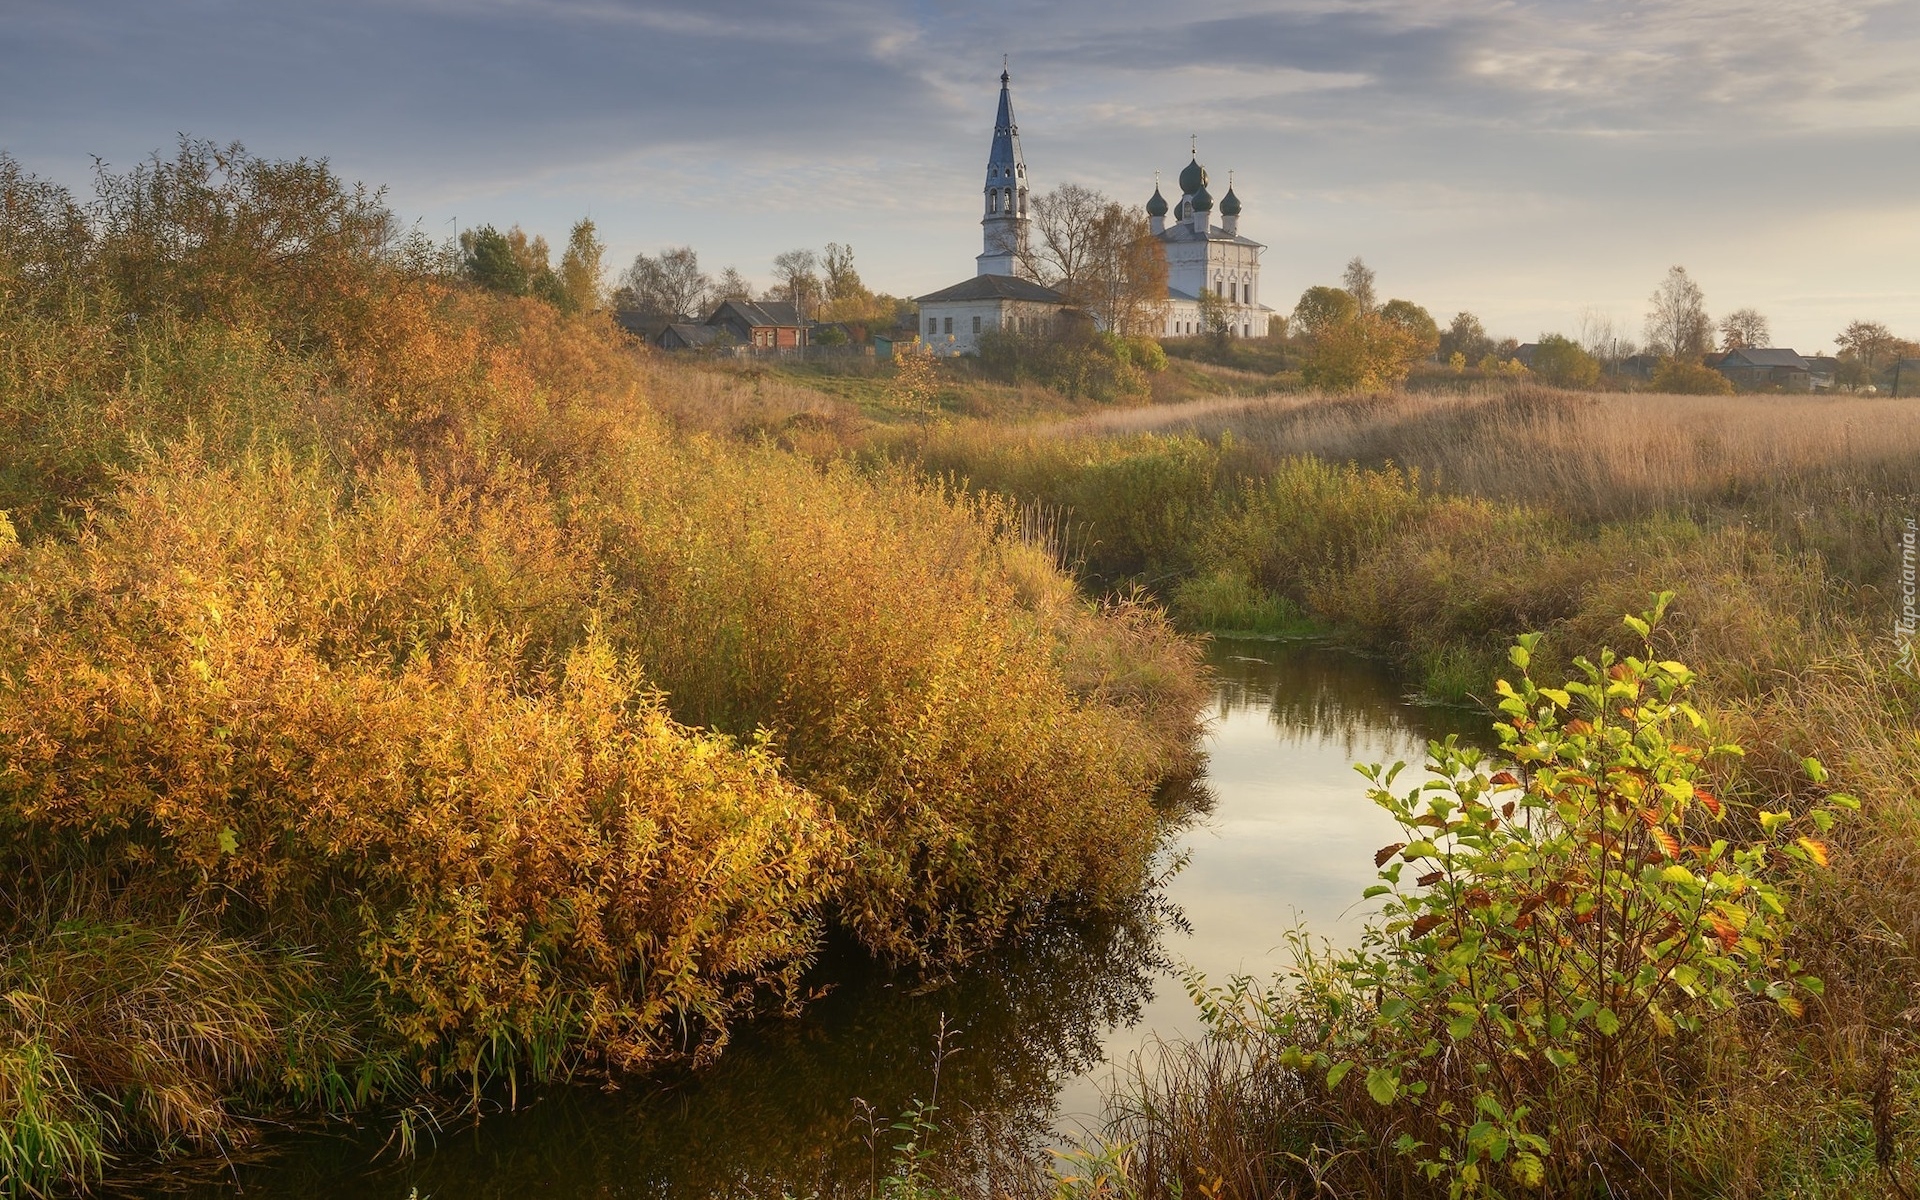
1292,834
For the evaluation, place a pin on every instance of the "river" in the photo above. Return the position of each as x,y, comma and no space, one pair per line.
796,1107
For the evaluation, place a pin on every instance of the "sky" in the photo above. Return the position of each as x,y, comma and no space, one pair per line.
1537,162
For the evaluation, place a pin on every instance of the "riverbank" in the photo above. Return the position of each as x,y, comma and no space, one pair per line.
393,706
1437,529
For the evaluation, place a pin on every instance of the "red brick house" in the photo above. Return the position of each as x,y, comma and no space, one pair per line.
760,325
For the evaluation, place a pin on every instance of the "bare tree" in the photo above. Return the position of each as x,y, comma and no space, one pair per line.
731,285
1101,256
1063,224
1744,329
1677,321
1600,336
794,271
669,284
1359,284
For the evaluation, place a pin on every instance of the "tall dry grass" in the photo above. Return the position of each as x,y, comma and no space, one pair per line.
1592,456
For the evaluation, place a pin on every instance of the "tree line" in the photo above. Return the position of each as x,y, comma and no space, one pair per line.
1347,340
1103,258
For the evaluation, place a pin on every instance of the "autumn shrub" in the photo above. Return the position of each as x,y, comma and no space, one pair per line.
1076,362
219,692
415,651
865,622
1682,378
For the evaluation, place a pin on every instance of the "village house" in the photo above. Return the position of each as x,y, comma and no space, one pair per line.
1906,377
686,335
1766,370
761,324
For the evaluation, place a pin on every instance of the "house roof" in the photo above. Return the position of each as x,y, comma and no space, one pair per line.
692,335
994,287
759,314
646,325
1182,231
1764,358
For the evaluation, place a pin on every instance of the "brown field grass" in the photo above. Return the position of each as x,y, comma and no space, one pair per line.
1591,455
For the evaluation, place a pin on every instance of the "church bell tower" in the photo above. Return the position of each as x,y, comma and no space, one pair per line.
1004,222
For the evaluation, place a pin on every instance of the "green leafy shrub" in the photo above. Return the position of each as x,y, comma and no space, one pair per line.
1560,929
1560,361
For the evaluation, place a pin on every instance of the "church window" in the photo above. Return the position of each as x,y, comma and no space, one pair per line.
932,325
993,201
976,327
1219,288
949,328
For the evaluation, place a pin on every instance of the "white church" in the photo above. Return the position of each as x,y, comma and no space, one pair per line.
1201,258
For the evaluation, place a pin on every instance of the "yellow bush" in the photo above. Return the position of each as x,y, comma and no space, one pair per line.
872,626
204,703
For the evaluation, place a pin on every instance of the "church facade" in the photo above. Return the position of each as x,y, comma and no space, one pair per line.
1208,260
1203,260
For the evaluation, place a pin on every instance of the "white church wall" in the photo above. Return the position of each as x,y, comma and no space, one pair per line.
955,327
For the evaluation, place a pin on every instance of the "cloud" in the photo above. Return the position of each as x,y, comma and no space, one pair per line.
1495,149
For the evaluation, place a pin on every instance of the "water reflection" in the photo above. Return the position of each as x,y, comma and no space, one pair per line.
1289,837
776,1115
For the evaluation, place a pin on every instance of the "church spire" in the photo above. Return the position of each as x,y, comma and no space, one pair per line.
1004,221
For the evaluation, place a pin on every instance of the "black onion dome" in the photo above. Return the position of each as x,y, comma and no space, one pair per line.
1157,207
1193,177
1229,204
1202,200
